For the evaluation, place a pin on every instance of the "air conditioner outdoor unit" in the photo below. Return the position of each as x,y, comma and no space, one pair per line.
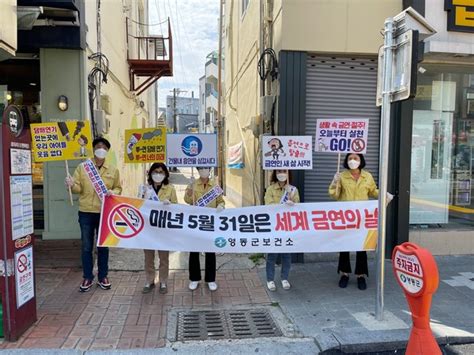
101,121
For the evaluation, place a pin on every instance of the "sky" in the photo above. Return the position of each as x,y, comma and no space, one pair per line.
194,27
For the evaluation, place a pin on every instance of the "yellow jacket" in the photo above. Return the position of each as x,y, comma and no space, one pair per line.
348,189
200,191
275,192
168,192
88,199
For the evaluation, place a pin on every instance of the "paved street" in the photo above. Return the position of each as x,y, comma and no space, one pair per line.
314,316
123,318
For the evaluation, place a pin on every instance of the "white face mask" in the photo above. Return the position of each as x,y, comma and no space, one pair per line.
204,173
157,177
282,177
353,164
100,153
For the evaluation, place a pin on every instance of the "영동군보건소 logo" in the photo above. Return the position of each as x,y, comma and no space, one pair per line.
220,242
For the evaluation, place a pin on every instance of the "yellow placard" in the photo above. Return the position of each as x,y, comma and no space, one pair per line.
66,140
145,145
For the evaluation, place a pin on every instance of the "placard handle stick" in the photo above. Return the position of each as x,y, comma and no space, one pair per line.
69,187
192,184
338,162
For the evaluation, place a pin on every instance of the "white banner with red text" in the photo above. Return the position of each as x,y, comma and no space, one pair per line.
305,227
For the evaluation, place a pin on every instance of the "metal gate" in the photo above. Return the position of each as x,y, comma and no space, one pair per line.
339,87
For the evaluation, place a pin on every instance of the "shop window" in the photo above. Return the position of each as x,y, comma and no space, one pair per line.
443,149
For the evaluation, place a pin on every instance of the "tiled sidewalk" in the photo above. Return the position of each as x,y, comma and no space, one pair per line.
124,318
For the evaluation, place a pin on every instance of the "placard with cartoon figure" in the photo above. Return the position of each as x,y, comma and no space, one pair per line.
287,152
145,145
55,141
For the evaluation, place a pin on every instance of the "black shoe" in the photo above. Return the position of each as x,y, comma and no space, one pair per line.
148,288
361,285
85,285
343,281
104,283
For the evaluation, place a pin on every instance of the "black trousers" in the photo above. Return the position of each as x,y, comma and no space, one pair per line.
361,263
195,267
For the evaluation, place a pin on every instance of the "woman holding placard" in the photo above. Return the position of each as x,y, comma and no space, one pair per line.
280,192
354,184
157,189
203,192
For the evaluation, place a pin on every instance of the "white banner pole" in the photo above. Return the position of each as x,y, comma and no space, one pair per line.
383,159
69,187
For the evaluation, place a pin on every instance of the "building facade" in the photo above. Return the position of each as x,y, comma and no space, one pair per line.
208,94
181,105
331,72
59,45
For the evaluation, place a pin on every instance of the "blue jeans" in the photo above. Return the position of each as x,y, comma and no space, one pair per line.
89,223
285,266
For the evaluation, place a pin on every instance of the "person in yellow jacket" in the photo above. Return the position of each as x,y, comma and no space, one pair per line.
354,184
158,188
200,187
280,192
89,213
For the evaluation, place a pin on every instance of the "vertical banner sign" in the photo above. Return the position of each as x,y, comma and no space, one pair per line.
192,150
342,135
55,141
145,145
24,276
21,198
287,152
235,156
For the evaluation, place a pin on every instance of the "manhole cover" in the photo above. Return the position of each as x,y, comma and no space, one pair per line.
226,324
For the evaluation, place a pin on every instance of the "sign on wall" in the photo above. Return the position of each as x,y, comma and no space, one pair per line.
55,141
342,135
24,276
21,198
287,152
192,150
235,156
460,15
20,161
145,145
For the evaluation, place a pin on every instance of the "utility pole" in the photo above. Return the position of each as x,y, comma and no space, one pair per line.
176,92
174,111
220,124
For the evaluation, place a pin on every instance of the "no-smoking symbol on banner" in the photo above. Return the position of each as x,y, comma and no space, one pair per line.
125,221
358,145
22,264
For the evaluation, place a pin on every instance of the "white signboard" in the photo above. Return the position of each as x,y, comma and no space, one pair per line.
24,276
21,198
20,161
409,272
287,152
191,150
306,227
342,135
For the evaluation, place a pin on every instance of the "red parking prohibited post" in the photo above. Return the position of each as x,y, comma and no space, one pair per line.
416,272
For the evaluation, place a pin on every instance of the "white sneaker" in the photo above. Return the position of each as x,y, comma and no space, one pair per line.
193,285
285,284
212,286
271,285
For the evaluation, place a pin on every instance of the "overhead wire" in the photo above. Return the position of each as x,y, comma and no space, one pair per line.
178,35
